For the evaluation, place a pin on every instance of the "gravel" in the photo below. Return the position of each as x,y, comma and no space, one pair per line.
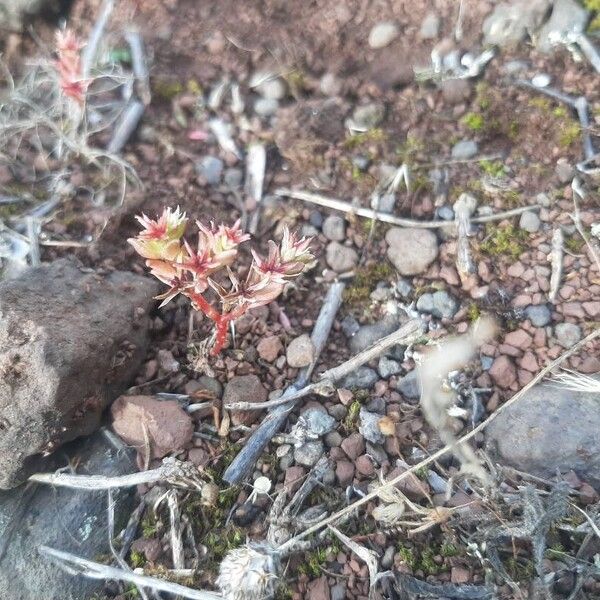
266,107
300,351
211,169
409,386
368,116
539,314
309,453
430,26
369,427
440,304
464,150
529,221
567,334
382,34
411,251
369,334
341,258
362,378
334,228
318,422
388,367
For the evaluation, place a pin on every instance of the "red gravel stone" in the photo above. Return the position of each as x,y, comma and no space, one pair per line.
503,372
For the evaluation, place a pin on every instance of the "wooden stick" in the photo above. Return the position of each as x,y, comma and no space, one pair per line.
88,568
442,451
126,126
346,207
91,48
244,462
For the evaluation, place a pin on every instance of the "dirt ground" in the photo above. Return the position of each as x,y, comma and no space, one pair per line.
192,47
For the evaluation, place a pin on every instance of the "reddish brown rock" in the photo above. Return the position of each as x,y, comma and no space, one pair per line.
519,339
344,471
269,348
244,388
411,485
293,478
354,445
503,372
364,465
319,589
167,425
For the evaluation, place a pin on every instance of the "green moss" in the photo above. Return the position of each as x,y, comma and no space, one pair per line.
574,243
283,592
427,563
365,280
357,140
149,526
482,97
473,121
136,559
351,419
504,241
473,312
560,112
569,134
219,543
166,90
556,551
313,563
407,555
410,149
594,7
511,198
519,569
448,550
541,103
494,168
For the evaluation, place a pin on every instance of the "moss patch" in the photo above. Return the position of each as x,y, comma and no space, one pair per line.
507,241
365,280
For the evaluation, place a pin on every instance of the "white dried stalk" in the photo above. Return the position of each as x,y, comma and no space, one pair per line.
363,553
88,54
256,162
408,334
172,470
556,263
175,522
346,207
462,210
224,139
138,64
578,191
578,382
76,565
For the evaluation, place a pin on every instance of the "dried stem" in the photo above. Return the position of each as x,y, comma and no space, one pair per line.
171,470
88,568
409,333
175,521
556,262
88,54
346,207
446,449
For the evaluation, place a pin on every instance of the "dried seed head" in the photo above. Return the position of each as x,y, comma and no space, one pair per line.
249,573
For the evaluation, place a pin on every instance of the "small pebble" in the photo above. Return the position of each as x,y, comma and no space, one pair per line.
382,34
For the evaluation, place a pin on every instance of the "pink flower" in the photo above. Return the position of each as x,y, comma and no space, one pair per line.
252,293
159,240
68,66
285,261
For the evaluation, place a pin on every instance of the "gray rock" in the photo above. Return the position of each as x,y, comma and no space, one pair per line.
382,34
62,518
411,251
349,325
330,85
361,162
70,342
387,560
368,116
338,411
244,388
464,150
430,26
456,91
300,351
509,24
529,221
567,334
15,13
334,228
329,477
273,88
440,304
316,219
550,428
211,169
362,378
266,107
446,213
308,231
486,362
340,258
409,386
384,203
564,170
388,367
568,16
338,592
512,67
539,315
376,405
309,453
318,422
369,334
333,439
233,177
369,426
404,288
